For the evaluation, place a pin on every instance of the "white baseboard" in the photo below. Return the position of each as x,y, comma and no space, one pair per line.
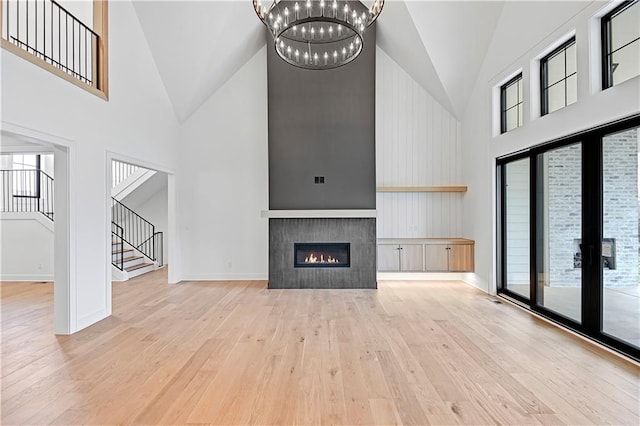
224,277
26,277
90,319
420,276
473,280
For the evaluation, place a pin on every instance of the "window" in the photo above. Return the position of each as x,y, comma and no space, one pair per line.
26,178
559,79
511,104
621,44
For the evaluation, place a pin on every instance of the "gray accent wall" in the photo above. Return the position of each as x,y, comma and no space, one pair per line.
360,233
322,124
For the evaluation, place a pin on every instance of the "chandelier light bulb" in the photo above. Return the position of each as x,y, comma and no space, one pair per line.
329,29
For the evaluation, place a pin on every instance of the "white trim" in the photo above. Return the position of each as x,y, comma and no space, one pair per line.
26,277
535,83
557,43
225,277
283,214
476,281
173,272
24,149
65,242
91,319
607,8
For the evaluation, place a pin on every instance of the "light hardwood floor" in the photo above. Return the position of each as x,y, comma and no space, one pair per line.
237,353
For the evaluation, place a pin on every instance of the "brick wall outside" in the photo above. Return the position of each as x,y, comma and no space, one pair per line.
620,209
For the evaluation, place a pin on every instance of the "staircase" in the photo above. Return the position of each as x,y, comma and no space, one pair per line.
136,247
133,264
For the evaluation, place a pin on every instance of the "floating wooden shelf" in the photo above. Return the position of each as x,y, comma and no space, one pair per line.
457,188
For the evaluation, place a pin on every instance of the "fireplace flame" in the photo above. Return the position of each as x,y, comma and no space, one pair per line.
312,258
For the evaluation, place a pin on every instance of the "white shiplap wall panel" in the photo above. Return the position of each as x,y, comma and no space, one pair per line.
417,144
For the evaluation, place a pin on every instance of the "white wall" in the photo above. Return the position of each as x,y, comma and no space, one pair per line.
26,247
525,30
222,181
418,143
137,123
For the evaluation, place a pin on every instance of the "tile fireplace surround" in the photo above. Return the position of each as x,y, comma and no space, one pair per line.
359,230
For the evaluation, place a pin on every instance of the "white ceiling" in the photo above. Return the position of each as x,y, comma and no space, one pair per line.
199,45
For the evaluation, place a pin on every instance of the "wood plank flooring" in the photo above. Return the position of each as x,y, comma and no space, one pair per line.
236,353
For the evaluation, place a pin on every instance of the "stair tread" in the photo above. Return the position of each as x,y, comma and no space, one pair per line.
134,267
121,251
130,258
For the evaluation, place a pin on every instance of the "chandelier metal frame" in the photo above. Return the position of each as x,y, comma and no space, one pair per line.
317,34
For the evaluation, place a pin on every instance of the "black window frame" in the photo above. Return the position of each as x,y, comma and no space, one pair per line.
544,92
503,103
605,34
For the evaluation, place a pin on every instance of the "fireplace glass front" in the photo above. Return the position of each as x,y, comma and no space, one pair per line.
321,255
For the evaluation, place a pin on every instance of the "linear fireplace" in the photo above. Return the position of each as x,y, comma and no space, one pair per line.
322,252
321,255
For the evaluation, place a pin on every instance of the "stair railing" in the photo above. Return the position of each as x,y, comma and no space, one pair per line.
117,257
26,191
138,232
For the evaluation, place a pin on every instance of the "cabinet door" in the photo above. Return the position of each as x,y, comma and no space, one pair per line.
411,257
388,257
461,258
436,258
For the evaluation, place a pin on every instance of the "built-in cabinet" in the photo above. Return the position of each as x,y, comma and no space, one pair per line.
425,255
401,257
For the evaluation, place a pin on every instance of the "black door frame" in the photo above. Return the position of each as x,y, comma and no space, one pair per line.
592,223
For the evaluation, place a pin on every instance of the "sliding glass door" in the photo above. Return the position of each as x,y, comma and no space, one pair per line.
569,226
620,244
516,227
559,203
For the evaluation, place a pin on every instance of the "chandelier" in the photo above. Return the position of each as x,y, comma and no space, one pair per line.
317,34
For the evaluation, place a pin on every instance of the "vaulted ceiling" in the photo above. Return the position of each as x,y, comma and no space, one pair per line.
199,45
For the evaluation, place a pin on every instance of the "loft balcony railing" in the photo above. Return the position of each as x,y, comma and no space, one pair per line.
26,191
46,30
121,171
